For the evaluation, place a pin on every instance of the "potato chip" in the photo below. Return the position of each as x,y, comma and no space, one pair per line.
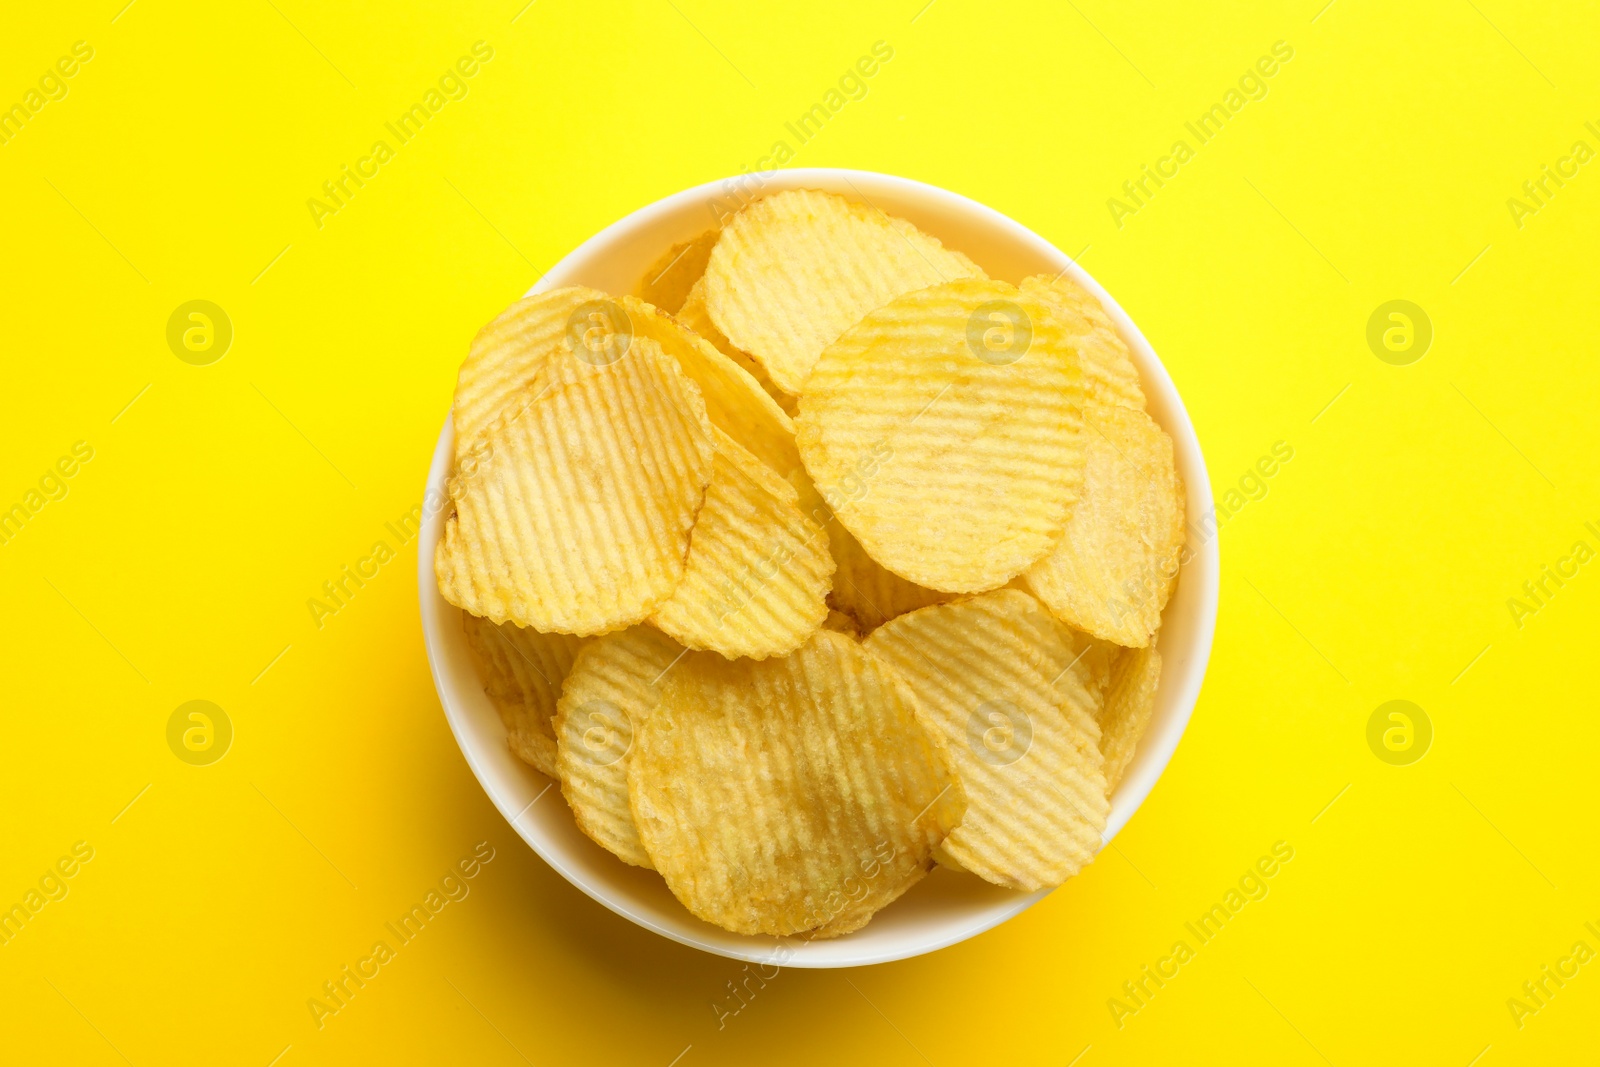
794,270
862,587
1107,366
522,671
947,427
611,690
994,673
868,592
854,916
510,354
1092,661
579,519
693,315
507,354
734,401
759,570
840,623
666,284
776,795
1114,568
1130,701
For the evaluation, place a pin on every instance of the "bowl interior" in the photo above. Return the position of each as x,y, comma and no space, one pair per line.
945,907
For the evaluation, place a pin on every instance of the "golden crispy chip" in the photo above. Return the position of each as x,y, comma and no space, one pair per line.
578,520
1092,662
793,271
611,690
854,916
734,401
868,592
995,674
857,576
840,623
564,333
507,354
758,574
775,796
693,314
1130,700
1107,366
862,588
947,426
1114,568
947,861
666,284
522,671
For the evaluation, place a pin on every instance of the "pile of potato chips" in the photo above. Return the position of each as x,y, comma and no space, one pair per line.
821,560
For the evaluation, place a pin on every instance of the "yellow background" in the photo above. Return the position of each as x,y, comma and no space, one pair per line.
1377,567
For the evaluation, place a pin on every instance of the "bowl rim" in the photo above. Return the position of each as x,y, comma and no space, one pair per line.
1201,574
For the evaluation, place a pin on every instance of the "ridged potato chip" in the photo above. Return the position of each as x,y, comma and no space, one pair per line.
1114,568
1107,366
758,574
513,357
840,623
1130,701
693,314
579,519
856,915
948,426
794,270
507,354
862,587
873,593
1092,661
994,672
666,284
612,688
735,402
522,671
775,796
865,590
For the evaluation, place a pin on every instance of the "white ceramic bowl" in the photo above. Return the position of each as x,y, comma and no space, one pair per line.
945,907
